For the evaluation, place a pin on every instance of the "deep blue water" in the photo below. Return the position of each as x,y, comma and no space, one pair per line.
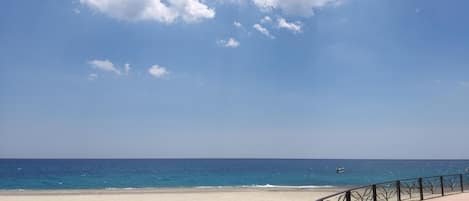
97,174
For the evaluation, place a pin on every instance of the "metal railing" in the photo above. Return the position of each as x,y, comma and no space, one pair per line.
406,189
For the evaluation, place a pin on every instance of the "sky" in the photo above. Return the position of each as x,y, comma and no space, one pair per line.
234,79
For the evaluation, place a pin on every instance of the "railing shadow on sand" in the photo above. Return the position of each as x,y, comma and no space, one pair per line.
406,189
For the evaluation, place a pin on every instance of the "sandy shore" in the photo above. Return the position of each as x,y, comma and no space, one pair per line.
174,194
456,197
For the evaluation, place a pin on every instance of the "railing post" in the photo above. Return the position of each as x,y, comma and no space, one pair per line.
375,198
398,190
421,188
461,182
442,187
348,196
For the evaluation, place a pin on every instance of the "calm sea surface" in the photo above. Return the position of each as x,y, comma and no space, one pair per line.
99,174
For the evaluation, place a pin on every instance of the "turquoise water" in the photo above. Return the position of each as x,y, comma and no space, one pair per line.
142,173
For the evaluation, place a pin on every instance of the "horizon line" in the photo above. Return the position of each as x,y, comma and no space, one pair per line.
221,158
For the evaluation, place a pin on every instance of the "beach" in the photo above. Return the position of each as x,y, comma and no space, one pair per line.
170,194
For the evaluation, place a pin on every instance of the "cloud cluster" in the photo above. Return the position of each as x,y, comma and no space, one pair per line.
168,11
263,30
294,7
282,23
292,26
231,43
237,24
104,65
107,66
156,10
158,71
266,19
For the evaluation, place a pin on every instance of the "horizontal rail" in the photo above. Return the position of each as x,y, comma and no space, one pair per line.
435,185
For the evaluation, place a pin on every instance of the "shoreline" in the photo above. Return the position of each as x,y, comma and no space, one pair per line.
199,189
172,194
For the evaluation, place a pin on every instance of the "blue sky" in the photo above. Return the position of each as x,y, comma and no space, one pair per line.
189,78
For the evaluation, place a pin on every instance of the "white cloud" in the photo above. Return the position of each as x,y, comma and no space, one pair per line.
192,10
158,71
263,30
230,1
237,24
126,69
294,7
231,42
266,5
92,76
266,19
153,10
104,65
292,26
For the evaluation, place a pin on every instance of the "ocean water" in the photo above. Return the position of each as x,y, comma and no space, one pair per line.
147,173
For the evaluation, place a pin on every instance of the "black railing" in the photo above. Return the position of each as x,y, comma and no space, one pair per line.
406,189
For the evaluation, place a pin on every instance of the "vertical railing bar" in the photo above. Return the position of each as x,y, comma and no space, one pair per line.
442,187
421,188
348,196
398,190
461,180
374,192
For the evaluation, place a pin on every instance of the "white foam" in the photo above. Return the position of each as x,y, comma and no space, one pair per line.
269,186
212,186
285,186
113,188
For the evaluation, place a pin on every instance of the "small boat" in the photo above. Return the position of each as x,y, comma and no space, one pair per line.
340,170
467,170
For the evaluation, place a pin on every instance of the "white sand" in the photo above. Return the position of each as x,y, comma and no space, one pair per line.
455,197
190,194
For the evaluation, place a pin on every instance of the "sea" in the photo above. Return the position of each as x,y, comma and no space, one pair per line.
26,174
